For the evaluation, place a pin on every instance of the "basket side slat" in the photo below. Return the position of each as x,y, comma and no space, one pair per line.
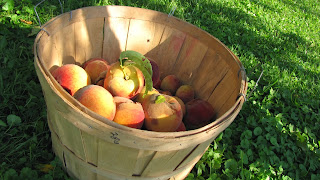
143,159
115,38
189,59
70,161
56,147
91,145
112,156
227,87
229,102
211,70
64,41
165,162
69,135
50,56
88,39
197,153
168,50
144,39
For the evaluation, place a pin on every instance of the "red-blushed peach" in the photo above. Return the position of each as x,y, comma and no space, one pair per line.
170,83
162,113
140,96
71,77
128,113
98,100
125,82
182,104
157,85
185,93
95,67
199,113
155,72
166,92
181,127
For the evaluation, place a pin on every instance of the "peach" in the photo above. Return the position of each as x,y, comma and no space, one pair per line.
95,67
157,85
170,83
128,113
140,96
185,93
71,77
199,113
98,100
125,82
162,113
166,92
181,127
155,72
183,106
100,78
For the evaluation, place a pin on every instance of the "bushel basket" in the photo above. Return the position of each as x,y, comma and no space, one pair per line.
92,147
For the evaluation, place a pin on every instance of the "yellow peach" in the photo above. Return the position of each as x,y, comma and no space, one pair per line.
140,96
162,113
128,113
98,100
125,82
170,83
95,67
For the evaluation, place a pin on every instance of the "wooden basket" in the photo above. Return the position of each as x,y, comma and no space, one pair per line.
92,147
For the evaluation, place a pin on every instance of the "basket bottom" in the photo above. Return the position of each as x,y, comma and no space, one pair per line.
79,169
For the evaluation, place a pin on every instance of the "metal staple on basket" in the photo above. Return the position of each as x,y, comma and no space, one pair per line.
172,11
35,10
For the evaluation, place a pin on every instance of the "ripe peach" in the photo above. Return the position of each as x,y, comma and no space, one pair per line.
162,113
125,82
128,113
71,77
183,106
199,113
157,85
140,97
97,99
95,67
170,83
155,72
166,92
181,127
185,93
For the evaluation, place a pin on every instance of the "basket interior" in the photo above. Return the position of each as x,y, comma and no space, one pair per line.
179,48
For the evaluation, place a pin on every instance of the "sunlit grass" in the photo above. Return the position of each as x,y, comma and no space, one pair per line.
276,135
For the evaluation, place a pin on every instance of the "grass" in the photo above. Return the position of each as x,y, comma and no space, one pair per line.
275,136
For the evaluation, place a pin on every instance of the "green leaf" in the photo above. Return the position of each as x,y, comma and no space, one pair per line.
232,165
13,120
257,131
160,99
3,42
273,141
8,6
11,174
3,124
142,63
28,173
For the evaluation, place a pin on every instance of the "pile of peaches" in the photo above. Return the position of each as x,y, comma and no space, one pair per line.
125,93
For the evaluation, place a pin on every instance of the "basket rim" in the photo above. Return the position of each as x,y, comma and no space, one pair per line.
234,110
